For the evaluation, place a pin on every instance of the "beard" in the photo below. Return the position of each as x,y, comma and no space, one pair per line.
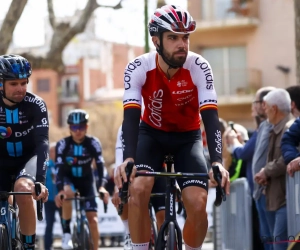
174,59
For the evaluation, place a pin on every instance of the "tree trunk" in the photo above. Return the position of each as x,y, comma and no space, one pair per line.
63,33
297,42
9,23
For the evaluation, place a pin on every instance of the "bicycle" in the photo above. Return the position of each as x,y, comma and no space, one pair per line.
81,236
9,224
169,236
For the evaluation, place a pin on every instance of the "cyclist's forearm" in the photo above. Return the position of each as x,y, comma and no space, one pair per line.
42,152
130,128
213,134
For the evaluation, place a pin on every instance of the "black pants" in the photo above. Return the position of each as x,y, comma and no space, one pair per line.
50,210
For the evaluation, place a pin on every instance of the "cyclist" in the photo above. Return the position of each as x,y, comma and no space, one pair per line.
74,156
158,203
24,141
175,84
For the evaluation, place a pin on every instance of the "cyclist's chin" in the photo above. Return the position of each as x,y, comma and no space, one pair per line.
17,98
78,136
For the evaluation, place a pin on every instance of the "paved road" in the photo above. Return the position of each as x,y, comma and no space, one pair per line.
206,246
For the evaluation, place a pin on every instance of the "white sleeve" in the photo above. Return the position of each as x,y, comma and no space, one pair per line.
202,76
119,148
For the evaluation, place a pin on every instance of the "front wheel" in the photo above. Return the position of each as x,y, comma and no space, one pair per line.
75,237
170,237
86,237
4,237
153,235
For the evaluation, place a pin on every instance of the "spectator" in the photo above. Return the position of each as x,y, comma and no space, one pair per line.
291,138
50,207
294,92
259,161
237,168
277,107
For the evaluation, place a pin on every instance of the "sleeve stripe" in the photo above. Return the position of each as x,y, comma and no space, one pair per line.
132,105
209,106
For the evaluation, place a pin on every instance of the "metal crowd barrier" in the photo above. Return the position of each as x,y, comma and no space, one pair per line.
233,220
293,206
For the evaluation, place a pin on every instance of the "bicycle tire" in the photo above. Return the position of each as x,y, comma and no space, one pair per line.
75,238
86,237
4,237
154,233
17,245
171,238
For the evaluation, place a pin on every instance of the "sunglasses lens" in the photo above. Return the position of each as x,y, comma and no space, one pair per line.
77,127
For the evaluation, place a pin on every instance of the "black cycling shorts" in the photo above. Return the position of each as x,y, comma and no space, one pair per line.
186,147
8,177
86,189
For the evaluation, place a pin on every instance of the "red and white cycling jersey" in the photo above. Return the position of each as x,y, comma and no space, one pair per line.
170,105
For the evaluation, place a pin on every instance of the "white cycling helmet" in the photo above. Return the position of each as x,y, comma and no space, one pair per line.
171,18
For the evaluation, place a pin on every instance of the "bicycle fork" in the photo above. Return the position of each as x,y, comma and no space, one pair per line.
170,218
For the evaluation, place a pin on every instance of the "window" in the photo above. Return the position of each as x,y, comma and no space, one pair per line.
216,10
43,85
229,66
70,86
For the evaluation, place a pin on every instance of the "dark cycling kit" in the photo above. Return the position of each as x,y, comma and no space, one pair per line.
23,140
74,167
171,120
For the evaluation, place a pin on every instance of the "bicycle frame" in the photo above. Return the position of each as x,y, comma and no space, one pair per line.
80,212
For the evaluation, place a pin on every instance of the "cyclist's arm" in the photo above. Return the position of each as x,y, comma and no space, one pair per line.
59,164
132,101
290,142
202,76
119,148
99,160
41,140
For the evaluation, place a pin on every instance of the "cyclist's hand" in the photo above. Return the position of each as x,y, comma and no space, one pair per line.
43,195
58,200
105,193
120,173
116,199
225,177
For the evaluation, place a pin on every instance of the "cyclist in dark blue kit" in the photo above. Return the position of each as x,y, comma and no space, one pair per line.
74,156
23,141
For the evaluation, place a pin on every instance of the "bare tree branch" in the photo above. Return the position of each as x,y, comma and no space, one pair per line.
9,24
63,32
51,13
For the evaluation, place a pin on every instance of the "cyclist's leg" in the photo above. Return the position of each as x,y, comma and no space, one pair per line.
25,183
87,190
66,214
159,203
189,158
50,209
149,157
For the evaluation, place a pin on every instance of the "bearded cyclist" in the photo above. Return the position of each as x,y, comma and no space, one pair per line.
24,141
74,156
175,85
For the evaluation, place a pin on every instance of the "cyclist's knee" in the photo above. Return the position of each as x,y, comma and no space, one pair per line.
194,199
92,219
140,190
23,185
68,191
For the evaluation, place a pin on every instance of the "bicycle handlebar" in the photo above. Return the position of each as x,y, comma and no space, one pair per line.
77,197
220,192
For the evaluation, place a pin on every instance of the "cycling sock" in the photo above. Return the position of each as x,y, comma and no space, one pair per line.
192,248
28,242
140,246
125,222
66,226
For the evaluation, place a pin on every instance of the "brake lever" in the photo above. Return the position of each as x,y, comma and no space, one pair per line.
220,192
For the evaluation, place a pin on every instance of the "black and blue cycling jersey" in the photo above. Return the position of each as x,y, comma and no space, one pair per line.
24,133
74,161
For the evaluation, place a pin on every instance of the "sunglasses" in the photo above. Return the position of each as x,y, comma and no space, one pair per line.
78,127
179,27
